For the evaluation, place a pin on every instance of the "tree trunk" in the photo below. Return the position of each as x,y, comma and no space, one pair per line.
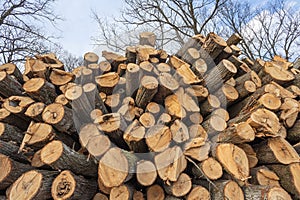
255,192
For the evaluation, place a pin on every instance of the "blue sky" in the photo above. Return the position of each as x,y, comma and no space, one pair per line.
78,27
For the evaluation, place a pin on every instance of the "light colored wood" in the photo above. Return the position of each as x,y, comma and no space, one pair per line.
181,187
107,82
198,193
146,173
227,190
122,192
209,168
115,167
234,39
13,70
158,138
251,155
170,163
253,192
179,131
197,149
114,59
264,176
38,184
234,160
132,78
90,58
60,77
147,89
155,192
147,38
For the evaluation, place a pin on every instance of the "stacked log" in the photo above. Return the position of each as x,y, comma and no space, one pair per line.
200,124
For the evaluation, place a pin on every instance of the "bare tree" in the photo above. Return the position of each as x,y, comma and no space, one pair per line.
70,60
171,20
23,26
273,29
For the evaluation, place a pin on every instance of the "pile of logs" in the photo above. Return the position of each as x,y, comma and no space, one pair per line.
205,123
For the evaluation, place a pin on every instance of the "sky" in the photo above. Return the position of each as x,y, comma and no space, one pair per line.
77,27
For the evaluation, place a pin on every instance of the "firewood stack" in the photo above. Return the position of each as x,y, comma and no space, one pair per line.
204,123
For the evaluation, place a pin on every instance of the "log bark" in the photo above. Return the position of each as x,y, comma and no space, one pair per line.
236,134
293,135
134,136
148,88
12,70
12,119
132,79
9,86
130,54
61,157
70,186
251,155
289,177
234,39
36,185
227,190
264,176
107,82
11,150
10,171
122,192
114,59
9,133
198,192
197,149
276,151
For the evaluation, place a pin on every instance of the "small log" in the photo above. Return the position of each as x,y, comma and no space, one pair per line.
60,117
264,176
167,85
113,125
209,168
130,54
179,132
147,120
212,47
234,39
70,186
102,187
35,110
155,192
146,173
225,54
107,82
187,75
112,102
147,38
122,69
198,192
90,58
214,124
253,192
9,86
116,167
153,108
276,151
236,134
12,70
221,112
95,69
227,190
195,118
219,75
198,91
227,94
10,171
181,187
132,79
134,136
38,185
188,102
114,59
11,150
40,90
209,105
190,55
170,163
146,68
51,60
227,154
270,101
236,51
18,105
158,138
60,77
199,67
164,119
81,105
10,133
105,67
61,157
91,139
100,196
148,88
122,192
